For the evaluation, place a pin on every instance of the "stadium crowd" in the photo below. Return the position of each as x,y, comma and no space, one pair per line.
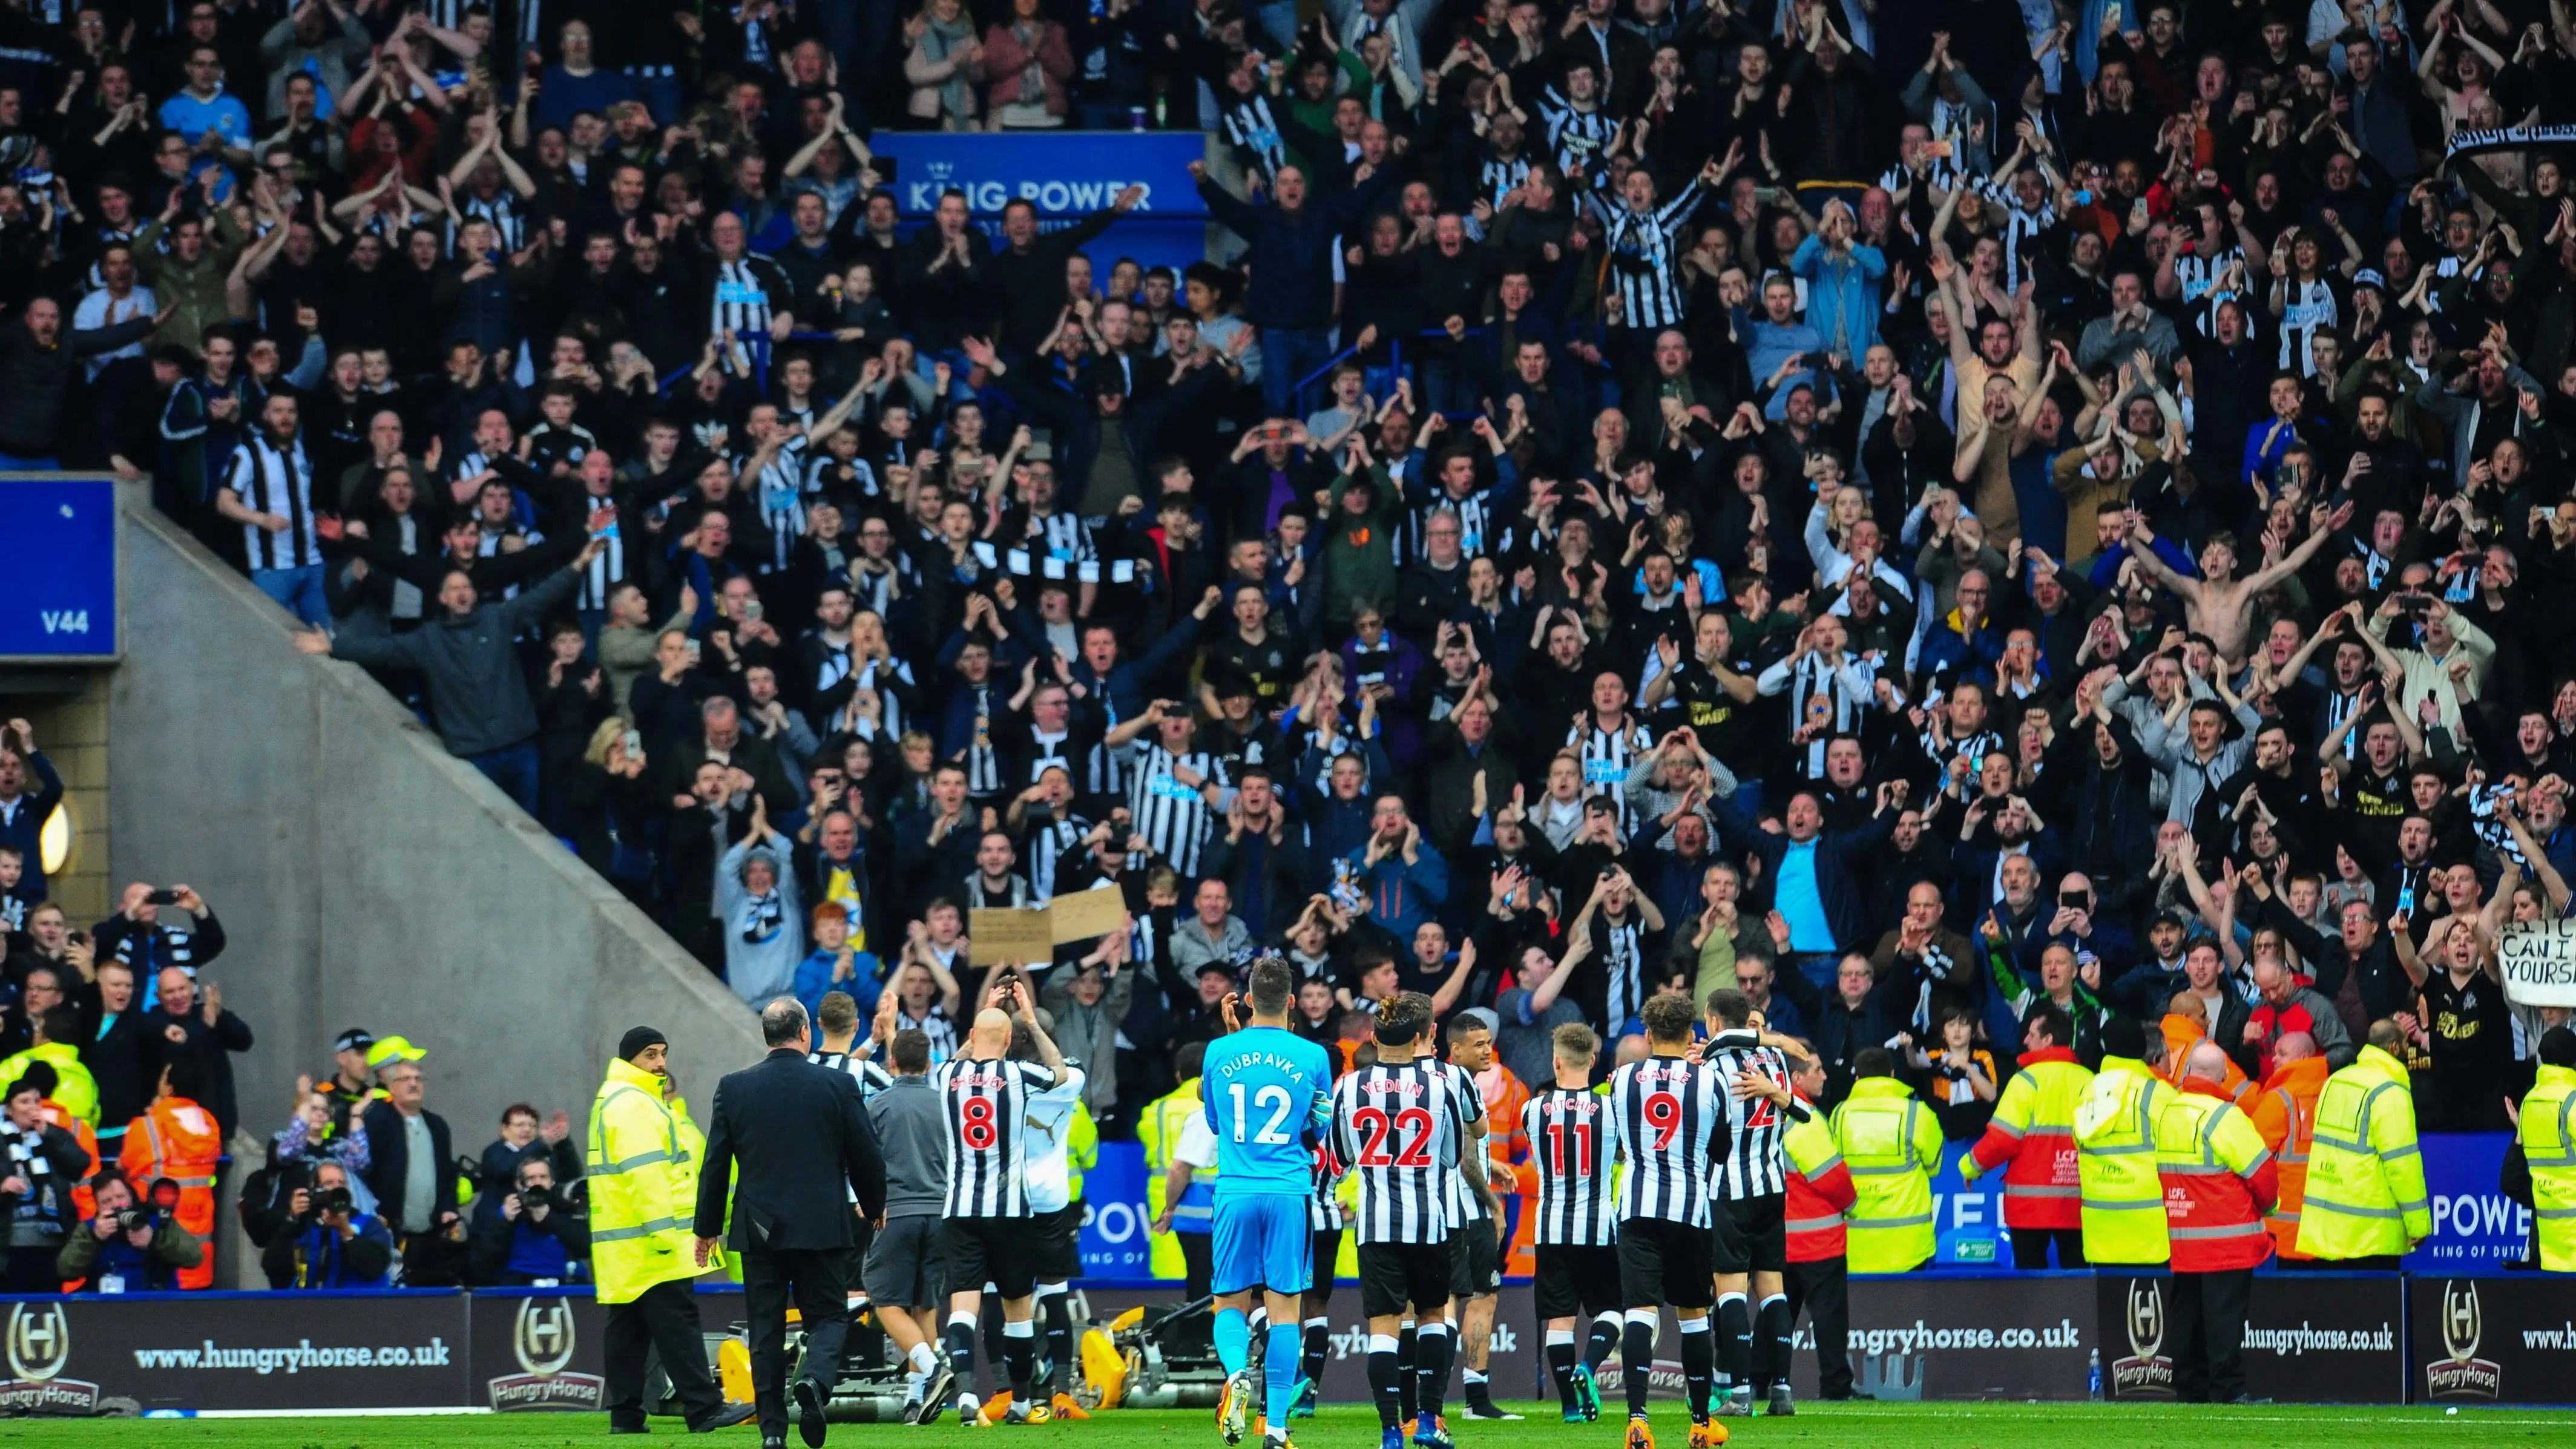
1918,513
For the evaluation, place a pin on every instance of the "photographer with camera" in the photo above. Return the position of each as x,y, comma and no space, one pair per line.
328,1242
130,1246
523,1135
540,1235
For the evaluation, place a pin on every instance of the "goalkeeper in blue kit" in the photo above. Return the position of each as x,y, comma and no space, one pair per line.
1268,1098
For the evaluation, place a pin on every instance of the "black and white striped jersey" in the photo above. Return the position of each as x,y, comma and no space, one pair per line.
2309,308
1249,124
604,572
2197,274
1476,526
778,488
872,1078
983,766
1619,948
741,296
1109,767
1397,1126
1063,537
1172,816
1046,851
826,474
2022,229
271,479
1667,1114
1324,1204
1608,755
1847,686
986,1103
1498,177
1578,139
1644,252
1464,1206
502,209
1971,748
1939,173
1571,1142
1750,1165
935,1023
891,723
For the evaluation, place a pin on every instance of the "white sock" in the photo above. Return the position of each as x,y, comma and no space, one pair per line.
913,1383
923,1359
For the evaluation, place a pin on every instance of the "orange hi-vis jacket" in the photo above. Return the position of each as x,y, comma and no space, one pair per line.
2181,1035
178,1140
84,1200
1820,1191
2218,1179
2284,1110
2034,1129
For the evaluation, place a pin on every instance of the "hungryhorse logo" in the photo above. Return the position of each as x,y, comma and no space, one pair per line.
542,1338
40,1348
2146,1373
40,1341
2462,1374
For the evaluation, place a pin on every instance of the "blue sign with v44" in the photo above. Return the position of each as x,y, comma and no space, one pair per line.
58,590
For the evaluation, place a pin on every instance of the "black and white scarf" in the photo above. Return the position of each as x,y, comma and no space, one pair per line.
762,916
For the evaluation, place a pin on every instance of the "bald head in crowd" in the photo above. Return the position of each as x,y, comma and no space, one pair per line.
2294,1046
2206,1062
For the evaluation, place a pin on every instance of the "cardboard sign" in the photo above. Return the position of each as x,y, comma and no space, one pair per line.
2538,959
1009,934
1085,915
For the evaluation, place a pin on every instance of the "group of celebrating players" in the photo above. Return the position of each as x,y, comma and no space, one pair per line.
1697,1219
1663,1186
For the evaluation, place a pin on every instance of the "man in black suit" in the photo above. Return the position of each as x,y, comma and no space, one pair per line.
804,1146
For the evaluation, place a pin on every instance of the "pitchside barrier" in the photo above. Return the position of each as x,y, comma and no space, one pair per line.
1933,1335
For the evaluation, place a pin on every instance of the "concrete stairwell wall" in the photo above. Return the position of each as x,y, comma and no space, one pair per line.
365,877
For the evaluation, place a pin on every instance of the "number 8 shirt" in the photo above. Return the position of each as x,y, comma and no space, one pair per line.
1397,1127
986,1104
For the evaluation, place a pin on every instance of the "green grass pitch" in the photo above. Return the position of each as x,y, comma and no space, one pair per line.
1823,1426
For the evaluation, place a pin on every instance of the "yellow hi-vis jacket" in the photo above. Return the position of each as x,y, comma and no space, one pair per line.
643,1174
1892,1146
1159,1129
2115,1160
2365,1195
75,1090
2549,1144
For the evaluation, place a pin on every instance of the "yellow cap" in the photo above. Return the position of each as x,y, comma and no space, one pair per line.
391,1049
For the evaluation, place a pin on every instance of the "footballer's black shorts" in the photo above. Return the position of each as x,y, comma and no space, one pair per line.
1327,1260
1574,1279
1058,1236
1664,1262
999,1251
1475,1260
1749,1234
1397,1276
